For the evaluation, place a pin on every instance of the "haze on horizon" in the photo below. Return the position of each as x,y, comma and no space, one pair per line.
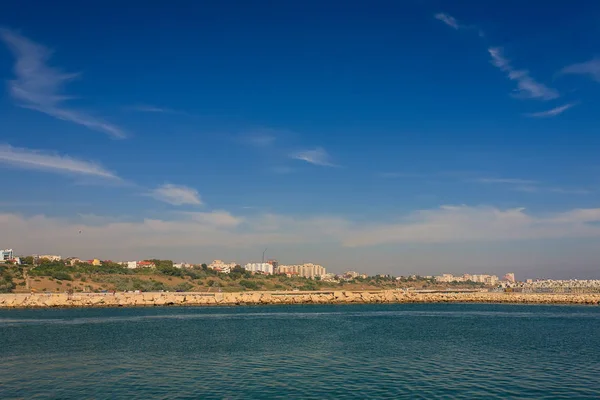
384,137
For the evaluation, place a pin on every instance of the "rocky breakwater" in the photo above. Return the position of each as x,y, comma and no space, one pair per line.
40,300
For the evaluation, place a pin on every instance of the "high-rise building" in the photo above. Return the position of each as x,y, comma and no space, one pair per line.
264,268
510,277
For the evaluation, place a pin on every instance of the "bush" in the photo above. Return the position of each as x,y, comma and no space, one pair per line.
183,287
60,275
249,284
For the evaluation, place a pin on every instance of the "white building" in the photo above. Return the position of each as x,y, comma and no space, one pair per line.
486,279
308,270
6,255
264,268
132,264
350,274
221,266
49,257
182,265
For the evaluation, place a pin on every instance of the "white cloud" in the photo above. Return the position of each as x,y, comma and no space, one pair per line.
317,156
446,224
553,112
457,224
527,87
219,218
448,20
38,86
176,195
591,68
51,162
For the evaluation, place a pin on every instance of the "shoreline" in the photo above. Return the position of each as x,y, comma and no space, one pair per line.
150,299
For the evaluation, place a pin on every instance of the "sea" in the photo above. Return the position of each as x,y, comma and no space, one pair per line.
391,351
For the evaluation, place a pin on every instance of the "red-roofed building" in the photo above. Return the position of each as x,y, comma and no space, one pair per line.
145,264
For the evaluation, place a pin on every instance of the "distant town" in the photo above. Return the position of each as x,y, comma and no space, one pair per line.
306,270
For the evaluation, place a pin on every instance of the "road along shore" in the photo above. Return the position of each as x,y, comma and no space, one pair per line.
42,300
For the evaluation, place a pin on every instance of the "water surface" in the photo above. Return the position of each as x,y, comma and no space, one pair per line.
325,351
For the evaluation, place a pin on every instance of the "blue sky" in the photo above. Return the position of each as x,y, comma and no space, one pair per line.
389,137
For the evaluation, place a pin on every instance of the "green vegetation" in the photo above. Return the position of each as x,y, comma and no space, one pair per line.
164,276
6,280
249,284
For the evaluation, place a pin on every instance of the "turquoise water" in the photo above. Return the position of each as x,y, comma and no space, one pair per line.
354,351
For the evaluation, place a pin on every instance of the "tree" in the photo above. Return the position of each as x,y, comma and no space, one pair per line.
239,269
204,267
6,281
27,260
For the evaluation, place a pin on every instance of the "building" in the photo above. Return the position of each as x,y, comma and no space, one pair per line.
72,261
132,264
145,264
6,255
263,268
510,277
308,270
485,279
49,257
220,266
182,265
349,275
274,263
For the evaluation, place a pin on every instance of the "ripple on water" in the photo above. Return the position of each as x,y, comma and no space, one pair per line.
359,351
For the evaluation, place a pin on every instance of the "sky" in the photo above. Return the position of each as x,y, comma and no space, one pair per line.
417,137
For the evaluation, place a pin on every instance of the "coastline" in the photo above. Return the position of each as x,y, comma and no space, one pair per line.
84,300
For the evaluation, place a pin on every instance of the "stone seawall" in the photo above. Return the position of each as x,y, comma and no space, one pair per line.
40,300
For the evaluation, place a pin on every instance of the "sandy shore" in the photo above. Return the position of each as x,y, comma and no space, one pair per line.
39,300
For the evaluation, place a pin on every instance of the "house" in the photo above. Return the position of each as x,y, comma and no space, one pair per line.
145,264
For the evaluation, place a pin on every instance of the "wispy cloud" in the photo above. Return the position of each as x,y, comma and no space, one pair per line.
529,186
408,175
591,68
527,87
546,189
39,87
177,195
215,218
153,109
317,156
553,112
510,181
258,138
448,20
51,162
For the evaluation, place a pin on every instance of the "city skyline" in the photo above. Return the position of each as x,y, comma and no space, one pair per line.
396,138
